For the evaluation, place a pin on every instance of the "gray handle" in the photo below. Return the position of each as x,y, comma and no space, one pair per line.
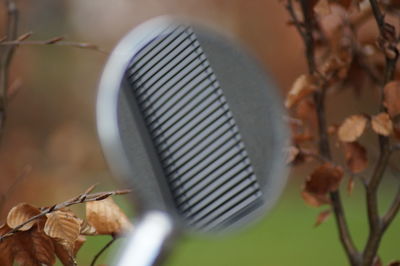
147,241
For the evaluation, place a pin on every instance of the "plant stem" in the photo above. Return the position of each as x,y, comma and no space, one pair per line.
6,58
101,251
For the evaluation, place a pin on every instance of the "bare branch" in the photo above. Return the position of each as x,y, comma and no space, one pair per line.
305,29
57,41
392,211
387,42
6,58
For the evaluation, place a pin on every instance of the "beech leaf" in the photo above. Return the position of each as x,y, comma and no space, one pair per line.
6,255
322,8
352,128
303,86
382,124
314,200
324,179
64,227
322,217
392,98
21,213
107,217
356,157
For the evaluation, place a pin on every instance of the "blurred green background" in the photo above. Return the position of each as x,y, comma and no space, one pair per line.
51,126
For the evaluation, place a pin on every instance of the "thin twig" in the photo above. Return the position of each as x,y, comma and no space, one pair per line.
7,53
392,211
81,198
54,43
10,190
102,250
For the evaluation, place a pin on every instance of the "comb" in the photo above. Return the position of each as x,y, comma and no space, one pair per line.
192,122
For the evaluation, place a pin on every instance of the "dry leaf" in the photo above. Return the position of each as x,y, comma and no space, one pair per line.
303,86
21,213
350,186
314,200
6,256
392,98
352,128
324,179
107,217
30,247
382,124
64,255
64,227
394,263
307,113
356,157
87,229
292,153
322,8
322,217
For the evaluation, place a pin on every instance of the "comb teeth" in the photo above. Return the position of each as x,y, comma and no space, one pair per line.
195,135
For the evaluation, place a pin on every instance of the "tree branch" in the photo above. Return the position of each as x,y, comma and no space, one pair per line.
305,29
81,198
387,41
392,211
6,58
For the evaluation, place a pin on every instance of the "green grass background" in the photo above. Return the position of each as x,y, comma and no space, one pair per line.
286,236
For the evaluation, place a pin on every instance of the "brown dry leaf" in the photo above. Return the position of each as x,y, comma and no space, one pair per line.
87,229
324,179
306,111
303,86
292,153
350,186
34,248
63,226
322,217
6,255
322,8
64,254
382,124
352,128
21,213
394,263
30,247
392,98
107,217
356,156
314,200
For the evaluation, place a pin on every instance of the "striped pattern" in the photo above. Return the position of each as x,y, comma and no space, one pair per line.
197,140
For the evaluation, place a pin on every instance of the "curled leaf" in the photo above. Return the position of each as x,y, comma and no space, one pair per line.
322,8
314,200
107,217
6,247
303,86
382,124
64,227
20,214
392,98
292,153
324,179
356,157
322,217
352,128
